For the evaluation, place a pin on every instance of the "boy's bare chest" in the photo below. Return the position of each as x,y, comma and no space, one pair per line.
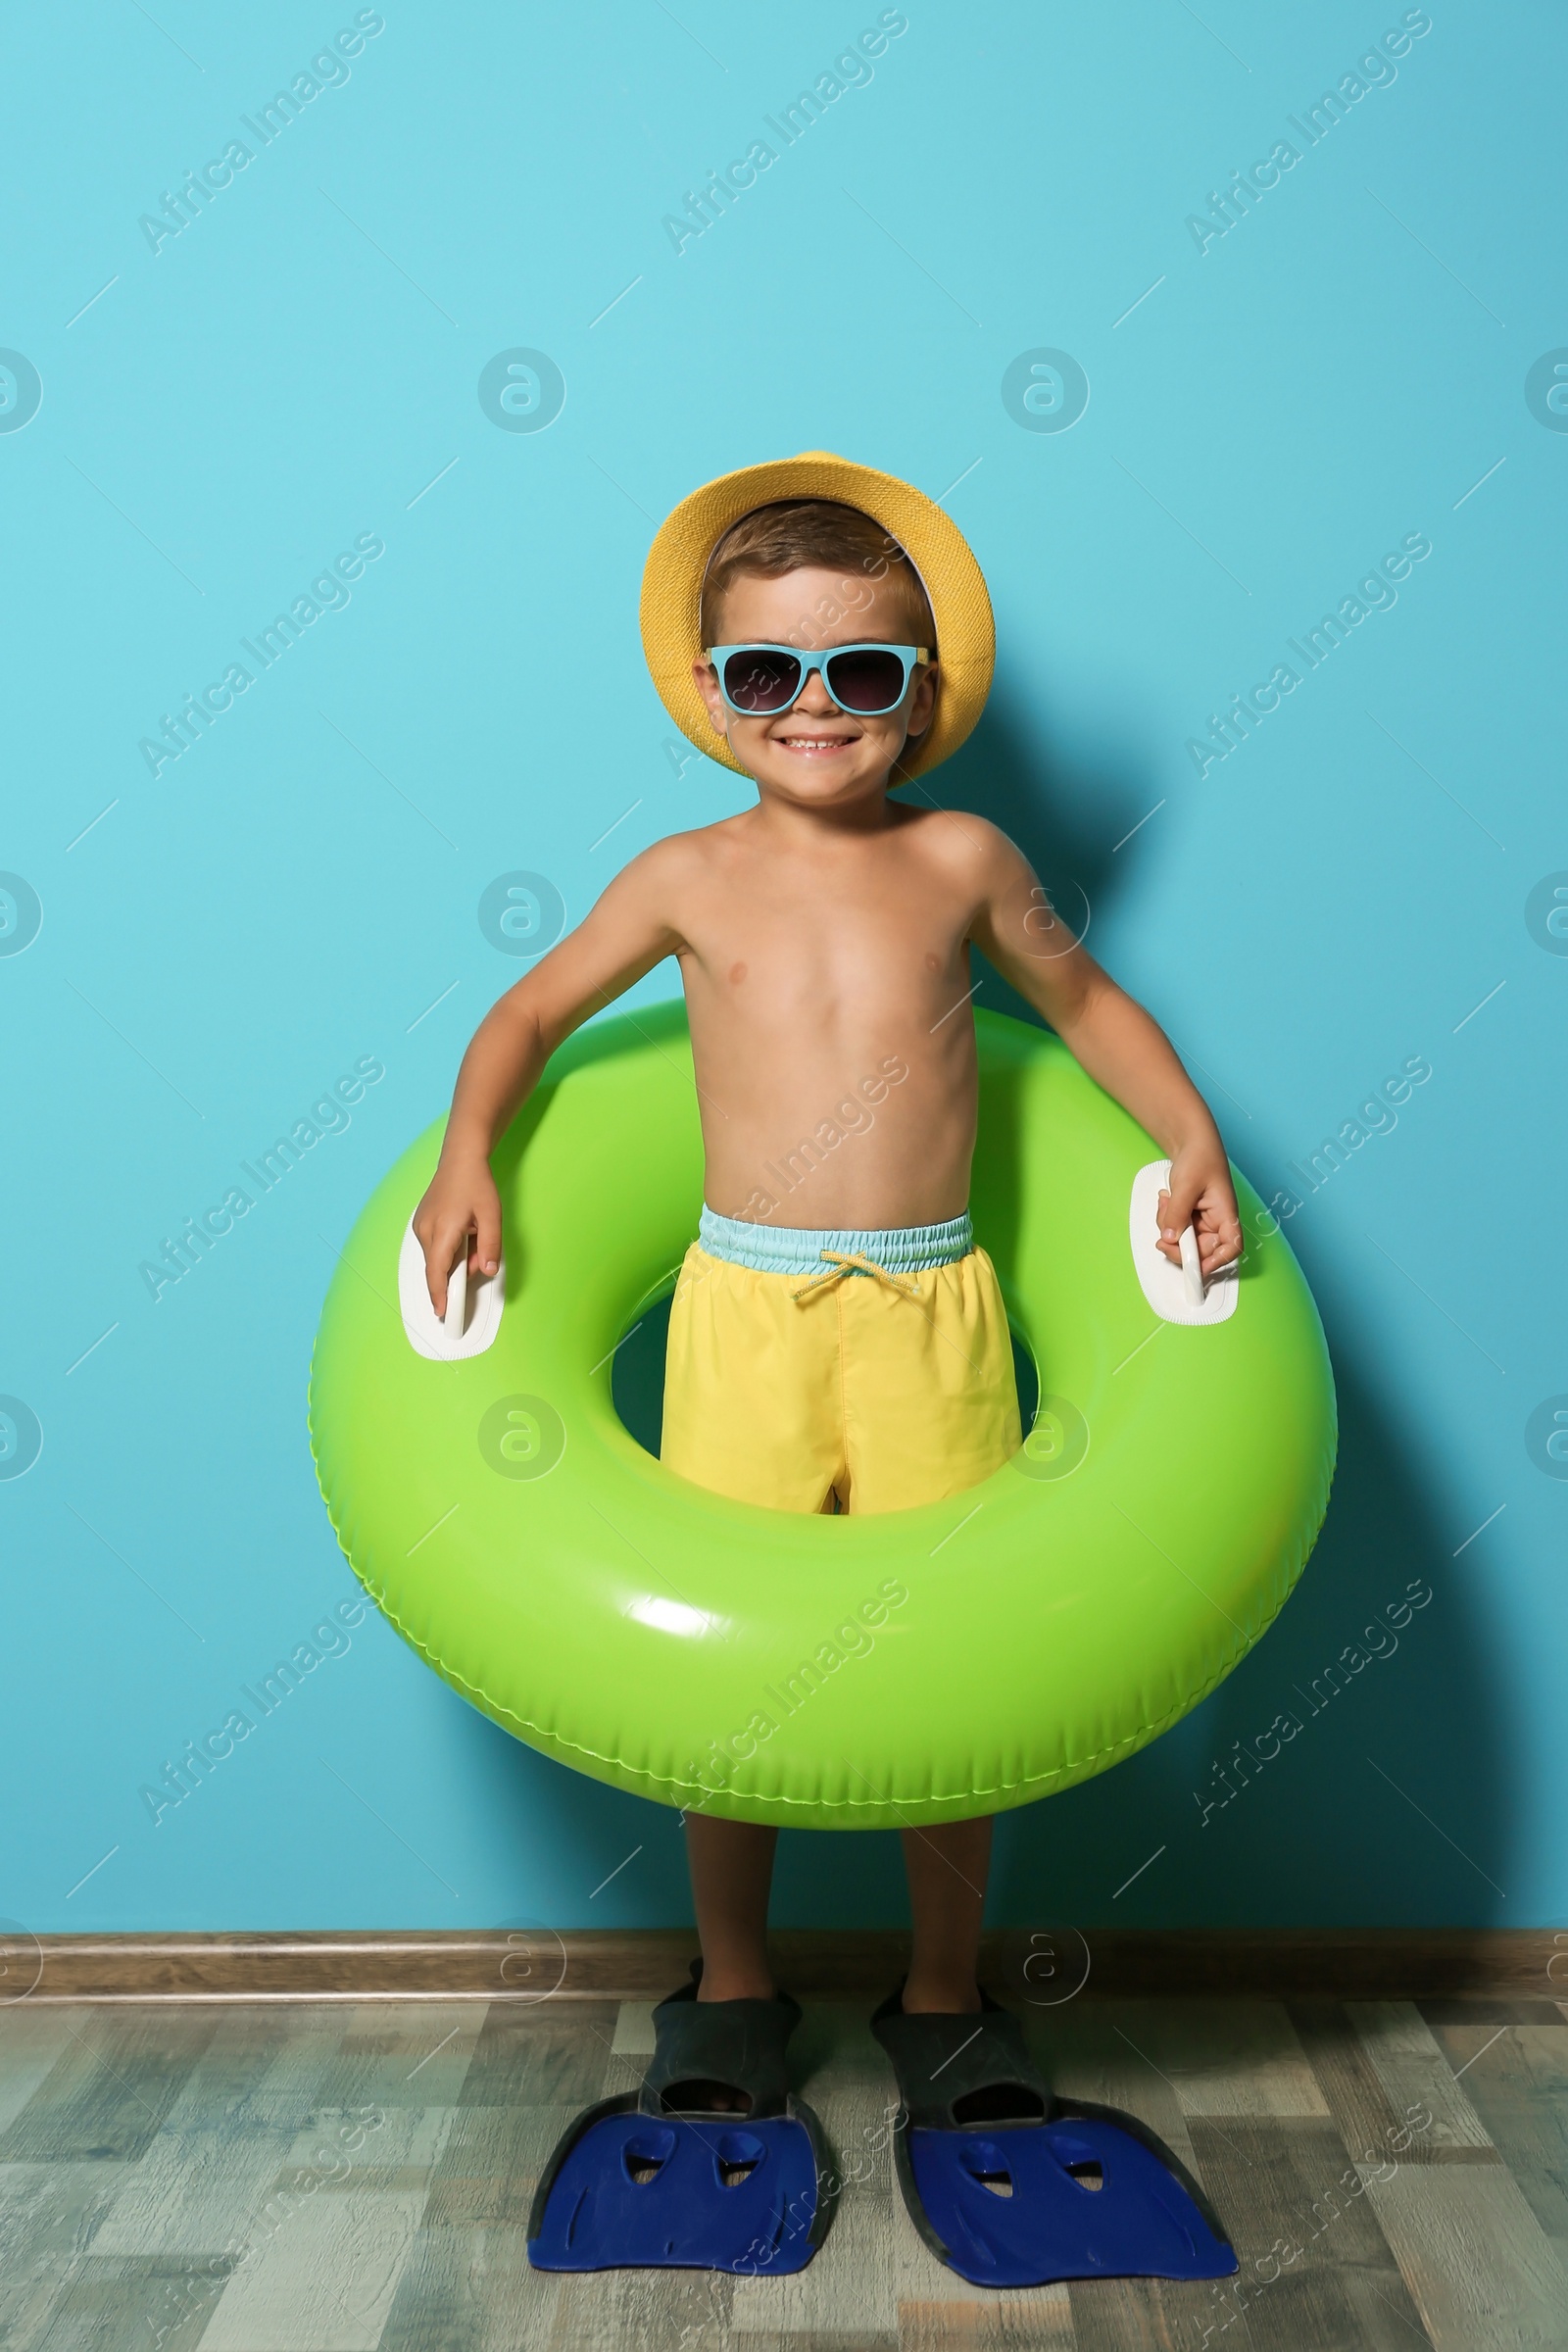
802,943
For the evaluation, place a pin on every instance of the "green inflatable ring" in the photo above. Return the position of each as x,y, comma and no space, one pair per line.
841,1672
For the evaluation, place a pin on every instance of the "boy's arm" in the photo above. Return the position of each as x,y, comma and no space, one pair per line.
1117,1043
627,932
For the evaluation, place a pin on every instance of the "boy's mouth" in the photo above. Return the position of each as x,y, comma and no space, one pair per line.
814,747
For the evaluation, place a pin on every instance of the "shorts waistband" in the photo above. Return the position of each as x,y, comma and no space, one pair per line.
802,1249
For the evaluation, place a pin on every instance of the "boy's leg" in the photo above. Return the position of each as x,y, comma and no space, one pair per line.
932,1408
946,1871
731,1864
746,1375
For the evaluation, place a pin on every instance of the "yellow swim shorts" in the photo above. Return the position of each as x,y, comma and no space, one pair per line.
876,1368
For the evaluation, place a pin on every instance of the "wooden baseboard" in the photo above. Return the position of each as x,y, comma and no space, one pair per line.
1041,1968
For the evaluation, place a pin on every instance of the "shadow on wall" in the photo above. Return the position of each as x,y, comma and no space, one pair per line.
1354,1770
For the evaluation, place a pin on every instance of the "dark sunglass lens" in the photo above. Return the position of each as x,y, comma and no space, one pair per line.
866,680
758,680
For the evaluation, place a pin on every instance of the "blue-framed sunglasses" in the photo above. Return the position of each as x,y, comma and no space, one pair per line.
759,681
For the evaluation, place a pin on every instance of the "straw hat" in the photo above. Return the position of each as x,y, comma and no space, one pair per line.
677,563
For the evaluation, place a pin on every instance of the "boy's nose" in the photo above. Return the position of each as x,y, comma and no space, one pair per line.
815,698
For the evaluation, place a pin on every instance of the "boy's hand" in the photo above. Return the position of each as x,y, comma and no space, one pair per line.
462,1206
1201,1196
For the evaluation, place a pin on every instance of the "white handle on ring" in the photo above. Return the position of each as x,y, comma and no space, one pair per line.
1191,1269
452,1322
473,1309
1177,1293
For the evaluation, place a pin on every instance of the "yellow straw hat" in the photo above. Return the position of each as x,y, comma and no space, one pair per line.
677,563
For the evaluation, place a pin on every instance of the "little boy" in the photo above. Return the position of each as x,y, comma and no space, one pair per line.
837,1341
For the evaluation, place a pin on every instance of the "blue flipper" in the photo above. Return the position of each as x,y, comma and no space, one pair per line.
660,2179
632,2190
1012,2188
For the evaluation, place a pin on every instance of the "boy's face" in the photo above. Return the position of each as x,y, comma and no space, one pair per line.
814,753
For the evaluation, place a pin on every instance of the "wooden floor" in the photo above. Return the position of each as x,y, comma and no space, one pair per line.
334,2178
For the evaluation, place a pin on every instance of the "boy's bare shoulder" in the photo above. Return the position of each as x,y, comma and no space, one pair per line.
682,858
962,847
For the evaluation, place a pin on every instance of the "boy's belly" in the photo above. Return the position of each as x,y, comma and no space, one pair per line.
864,1137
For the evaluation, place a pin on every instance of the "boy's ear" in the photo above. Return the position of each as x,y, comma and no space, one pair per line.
926,688
706,679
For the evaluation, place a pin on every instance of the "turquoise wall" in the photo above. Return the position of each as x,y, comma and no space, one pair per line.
1267,395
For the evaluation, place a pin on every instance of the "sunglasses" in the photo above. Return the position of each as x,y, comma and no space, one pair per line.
758,681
